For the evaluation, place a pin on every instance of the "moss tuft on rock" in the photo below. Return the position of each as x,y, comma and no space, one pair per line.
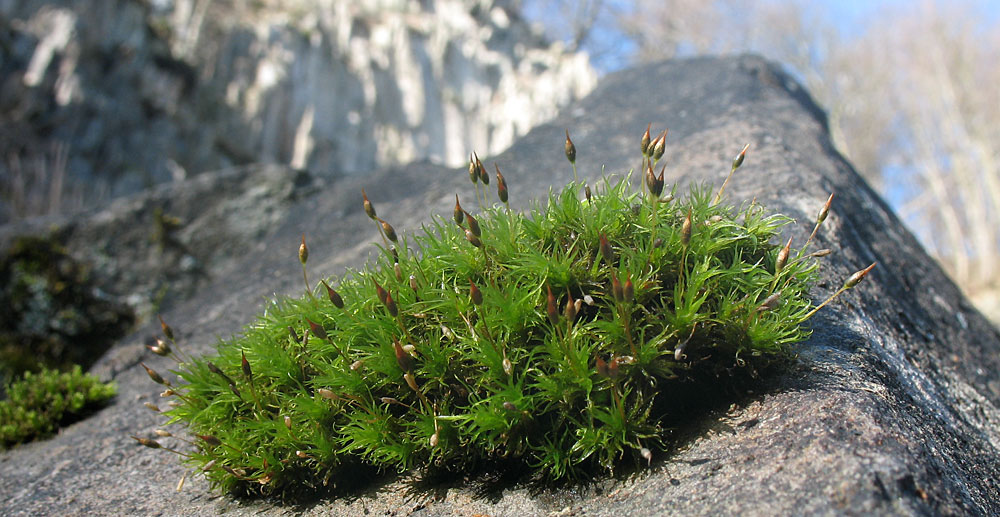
554,340
41,403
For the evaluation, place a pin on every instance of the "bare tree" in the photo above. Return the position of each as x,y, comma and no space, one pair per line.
911,96
949,109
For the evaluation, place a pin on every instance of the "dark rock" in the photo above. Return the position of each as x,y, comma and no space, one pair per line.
159,247
892,408
54,315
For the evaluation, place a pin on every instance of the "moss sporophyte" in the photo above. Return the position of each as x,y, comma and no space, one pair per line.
549,339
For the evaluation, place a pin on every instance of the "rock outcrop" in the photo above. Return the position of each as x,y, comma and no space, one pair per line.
154,249
114,96
892,407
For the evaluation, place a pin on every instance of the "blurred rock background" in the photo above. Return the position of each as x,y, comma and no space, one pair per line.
103,98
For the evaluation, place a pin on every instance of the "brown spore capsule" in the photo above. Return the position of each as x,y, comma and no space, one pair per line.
686,229
216,370
390,232
825,211
552,310
779,263
334,296
602,367
738,161
246,366
475,294
606,251
660,146
650,177
613,369
501,185
167,330
458,214
644,142
571,307
155,376
316,329
210,440
570,149
616,289
390,305
471,237
483,176
657,188
152,444
369,209
857,277
473,225
303,251
380,292
403,359
473,170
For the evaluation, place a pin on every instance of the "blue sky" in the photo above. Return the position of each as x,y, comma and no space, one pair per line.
849,17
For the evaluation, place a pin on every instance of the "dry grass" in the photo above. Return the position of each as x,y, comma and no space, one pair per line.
39,183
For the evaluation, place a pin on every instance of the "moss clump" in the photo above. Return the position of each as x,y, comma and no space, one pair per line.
553,340
40,403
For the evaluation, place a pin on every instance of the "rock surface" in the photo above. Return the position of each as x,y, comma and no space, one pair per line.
159,247
53,314
892,408
129,94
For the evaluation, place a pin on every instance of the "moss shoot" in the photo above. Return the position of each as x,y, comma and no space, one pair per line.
552,339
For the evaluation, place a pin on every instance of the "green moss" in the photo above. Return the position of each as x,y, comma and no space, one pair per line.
41,403
553,340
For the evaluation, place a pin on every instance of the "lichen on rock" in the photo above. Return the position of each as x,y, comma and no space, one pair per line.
54,316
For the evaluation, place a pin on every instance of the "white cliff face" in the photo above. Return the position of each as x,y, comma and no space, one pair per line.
144,91
352,85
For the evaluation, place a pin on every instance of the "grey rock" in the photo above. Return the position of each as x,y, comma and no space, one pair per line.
891,409
160,247
111,97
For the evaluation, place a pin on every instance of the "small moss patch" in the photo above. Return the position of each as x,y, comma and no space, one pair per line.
40,403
